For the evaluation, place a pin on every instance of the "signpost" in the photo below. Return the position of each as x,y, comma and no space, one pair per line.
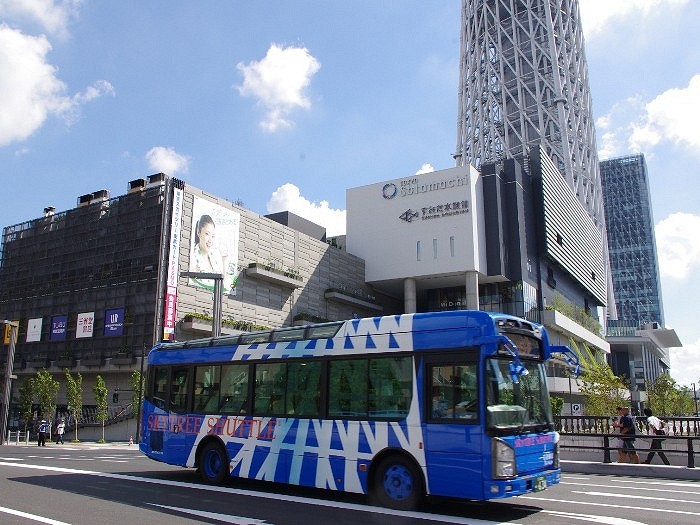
13,326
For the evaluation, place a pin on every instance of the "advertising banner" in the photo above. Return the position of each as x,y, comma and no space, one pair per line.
170,307
214,245
84,325
114,322
59,323
34,330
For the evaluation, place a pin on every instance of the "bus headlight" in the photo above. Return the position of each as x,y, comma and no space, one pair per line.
502,459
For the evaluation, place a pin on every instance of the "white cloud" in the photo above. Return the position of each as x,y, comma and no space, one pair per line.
53,16
678,245
672,116
288,198
167,160
278,82
30,91
596,14
685,364
425,168
636,125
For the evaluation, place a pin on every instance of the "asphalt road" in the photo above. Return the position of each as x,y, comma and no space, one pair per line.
94,484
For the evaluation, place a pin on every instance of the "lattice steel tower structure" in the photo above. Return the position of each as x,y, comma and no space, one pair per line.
524,81
631,242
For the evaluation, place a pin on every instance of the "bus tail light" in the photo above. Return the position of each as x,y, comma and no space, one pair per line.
502,459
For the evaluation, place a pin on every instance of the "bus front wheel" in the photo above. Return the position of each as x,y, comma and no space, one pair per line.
397,484
213,464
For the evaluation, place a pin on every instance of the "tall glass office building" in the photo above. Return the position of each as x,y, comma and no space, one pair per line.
631,243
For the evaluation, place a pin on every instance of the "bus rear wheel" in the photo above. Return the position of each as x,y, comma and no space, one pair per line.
213,464
397,484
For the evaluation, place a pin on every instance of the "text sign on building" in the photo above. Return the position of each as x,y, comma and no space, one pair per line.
170,306
84,325
34,330
7,334
59,323
114,322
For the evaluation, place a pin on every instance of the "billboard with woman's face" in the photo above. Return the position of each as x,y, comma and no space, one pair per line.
214,244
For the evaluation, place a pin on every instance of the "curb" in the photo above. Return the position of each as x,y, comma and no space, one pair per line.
632,470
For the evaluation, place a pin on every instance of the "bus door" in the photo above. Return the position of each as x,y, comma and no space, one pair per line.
178,437
454,435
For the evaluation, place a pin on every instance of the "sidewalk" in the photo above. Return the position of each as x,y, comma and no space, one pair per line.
630,470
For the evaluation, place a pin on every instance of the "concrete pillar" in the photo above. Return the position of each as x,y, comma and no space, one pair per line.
471,283
409,295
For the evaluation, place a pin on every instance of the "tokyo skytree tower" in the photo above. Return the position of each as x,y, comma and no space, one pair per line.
524,82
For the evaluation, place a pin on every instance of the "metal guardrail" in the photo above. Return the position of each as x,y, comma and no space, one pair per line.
679,430
675,426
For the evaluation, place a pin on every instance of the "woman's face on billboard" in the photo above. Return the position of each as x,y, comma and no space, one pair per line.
206,237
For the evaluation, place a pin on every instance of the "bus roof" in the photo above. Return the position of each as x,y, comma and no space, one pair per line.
405,332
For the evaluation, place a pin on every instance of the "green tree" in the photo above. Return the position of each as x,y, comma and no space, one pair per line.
685,403
101,411
604,390
663,395
46,388
74,395
26,401
557,405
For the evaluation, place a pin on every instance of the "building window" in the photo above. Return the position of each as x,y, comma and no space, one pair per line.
435,250
452,245
418,251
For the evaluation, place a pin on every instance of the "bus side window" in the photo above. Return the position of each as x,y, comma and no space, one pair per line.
159,393
179,390
206,388
234,390
454,392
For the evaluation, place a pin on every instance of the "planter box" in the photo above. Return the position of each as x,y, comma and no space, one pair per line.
64,363
92,361
341,297
37,363
123,360
271,276
197,325
203,326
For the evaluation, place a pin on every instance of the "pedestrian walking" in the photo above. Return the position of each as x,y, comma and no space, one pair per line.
626,452
657,427
60,429
43,431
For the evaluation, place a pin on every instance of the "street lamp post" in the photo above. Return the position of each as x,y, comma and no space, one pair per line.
8,378
218,279
138,408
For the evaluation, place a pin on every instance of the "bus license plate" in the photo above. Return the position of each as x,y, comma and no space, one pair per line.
540,483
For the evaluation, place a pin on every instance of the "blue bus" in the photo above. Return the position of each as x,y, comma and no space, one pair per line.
451,404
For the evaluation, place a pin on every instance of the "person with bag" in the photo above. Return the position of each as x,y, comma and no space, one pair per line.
657,427
626,452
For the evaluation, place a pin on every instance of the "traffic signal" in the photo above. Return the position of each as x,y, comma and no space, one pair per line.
115,398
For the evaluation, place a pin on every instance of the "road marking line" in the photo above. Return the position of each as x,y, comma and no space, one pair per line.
267,495
236,520
616,506
607,520
629,496
675,491
34,517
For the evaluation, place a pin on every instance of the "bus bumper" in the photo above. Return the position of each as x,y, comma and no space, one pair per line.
504,488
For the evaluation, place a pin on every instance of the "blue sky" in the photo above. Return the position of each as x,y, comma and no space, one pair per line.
284,105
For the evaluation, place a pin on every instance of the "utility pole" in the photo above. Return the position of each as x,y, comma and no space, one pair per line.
9,376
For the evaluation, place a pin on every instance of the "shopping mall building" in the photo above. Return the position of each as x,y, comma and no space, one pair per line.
95,286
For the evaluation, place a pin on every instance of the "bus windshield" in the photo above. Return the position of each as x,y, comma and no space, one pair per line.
516,406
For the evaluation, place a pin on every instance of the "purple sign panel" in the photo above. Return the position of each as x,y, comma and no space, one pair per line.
114,322
58,327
